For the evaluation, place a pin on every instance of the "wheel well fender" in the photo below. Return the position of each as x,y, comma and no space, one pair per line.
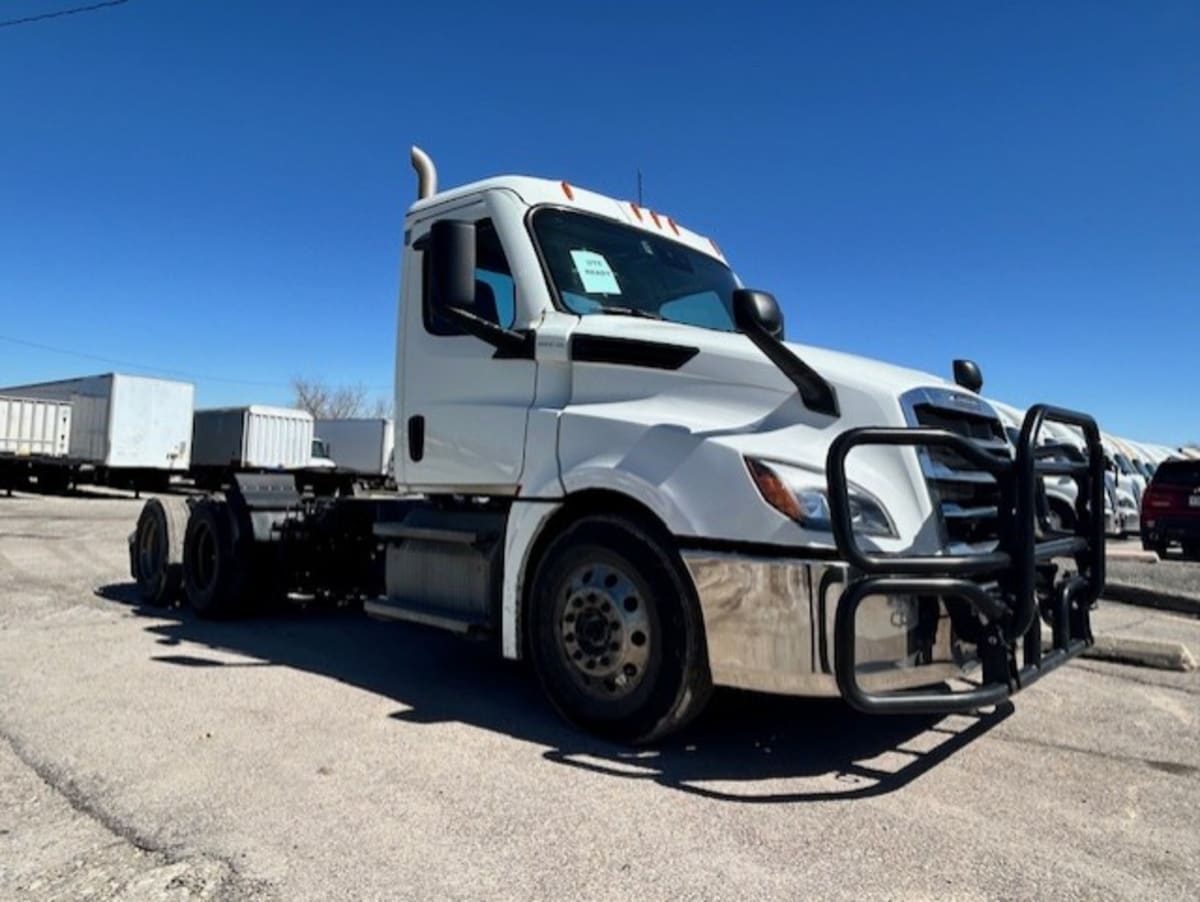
587,503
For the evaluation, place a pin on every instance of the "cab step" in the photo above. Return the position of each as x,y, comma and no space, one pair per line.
429,615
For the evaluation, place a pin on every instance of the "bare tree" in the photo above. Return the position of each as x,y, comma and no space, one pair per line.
310,395
381,409
326,402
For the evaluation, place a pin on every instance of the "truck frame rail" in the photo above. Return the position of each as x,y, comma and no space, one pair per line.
1011,588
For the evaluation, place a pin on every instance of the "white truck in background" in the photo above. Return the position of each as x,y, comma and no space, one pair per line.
1128,484
361,445
610,462
1062,492
124,431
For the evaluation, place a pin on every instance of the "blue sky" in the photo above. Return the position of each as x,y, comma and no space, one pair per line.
219,188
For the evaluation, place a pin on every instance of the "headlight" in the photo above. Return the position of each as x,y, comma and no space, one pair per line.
800,495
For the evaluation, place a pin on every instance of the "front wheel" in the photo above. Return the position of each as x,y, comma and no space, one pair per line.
1060,517
616,636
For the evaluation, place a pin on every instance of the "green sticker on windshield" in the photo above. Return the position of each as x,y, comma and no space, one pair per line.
595,273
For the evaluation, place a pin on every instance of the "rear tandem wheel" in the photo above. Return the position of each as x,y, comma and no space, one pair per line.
216,565
156,550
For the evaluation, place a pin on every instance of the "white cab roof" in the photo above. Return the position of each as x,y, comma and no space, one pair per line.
535,192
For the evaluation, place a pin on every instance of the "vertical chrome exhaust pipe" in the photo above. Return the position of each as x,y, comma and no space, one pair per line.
426,173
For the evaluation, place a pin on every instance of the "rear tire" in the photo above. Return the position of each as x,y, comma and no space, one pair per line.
1191,551
616,635
156,550
215,567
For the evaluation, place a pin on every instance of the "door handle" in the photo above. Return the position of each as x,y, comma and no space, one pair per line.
416,438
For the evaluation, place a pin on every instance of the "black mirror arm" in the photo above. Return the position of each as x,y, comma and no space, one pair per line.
507,342
817,394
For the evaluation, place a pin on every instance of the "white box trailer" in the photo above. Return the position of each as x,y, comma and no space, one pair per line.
30,427
256,437
362,446
123,421
128,431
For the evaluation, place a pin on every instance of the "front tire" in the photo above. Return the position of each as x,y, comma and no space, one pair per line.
616,635
1158,547
1060,517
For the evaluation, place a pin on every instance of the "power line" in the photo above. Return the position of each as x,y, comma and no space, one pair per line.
164,371
112,361
62,12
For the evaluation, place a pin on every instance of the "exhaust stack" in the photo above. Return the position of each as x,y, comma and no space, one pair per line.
426,173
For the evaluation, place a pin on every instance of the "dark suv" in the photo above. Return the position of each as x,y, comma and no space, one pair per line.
1171,508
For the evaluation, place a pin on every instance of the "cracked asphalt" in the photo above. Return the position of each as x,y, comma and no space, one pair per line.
315,754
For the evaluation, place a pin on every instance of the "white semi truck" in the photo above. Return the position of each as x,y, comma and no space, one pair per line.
609,462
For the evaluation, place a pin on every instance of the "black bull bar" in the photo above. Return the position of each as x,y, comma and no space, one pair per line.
1008,588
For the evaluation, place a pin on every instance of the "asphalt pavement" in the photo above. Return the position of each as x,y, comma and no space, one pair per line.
314,754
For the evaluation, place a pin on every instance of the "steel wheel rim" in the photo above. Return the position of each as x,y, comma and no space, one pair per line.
603,631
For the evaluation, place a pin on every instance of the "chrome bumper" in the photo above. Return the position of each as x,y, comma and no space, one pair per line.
769,624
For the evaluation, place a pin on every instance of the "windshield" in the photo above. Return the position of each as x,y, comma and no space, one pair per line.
601,266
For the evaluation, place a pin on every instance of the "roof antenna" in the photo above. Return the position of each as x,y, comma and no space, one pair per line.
426,173
639,188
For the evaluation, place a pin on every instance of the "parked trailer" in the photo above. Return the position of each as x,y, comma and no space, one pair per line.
31,430
125,431
256,437
646,507
361,446
30,427
259,438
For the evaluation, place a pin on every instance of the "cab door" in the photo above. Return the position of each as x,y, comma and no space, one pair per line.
464,405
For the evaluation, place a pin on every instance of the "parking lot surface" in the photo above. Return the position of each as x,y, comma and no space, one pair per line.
145,754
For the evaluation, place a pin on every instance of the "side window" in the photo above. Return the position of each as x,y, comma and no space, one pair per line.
495,290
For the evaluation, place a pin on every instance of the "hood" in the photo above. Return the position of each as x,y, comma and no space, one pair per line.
840,368
868,390
671,425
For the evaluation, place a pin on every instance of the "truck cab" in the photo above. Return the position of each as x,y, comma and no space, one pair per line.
609,458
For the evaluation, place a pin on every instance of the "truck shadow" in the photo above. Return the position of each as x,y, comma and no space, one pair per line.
746,747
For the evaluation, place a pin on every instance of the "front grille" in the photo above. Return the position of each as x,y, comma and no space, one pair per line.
965,498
